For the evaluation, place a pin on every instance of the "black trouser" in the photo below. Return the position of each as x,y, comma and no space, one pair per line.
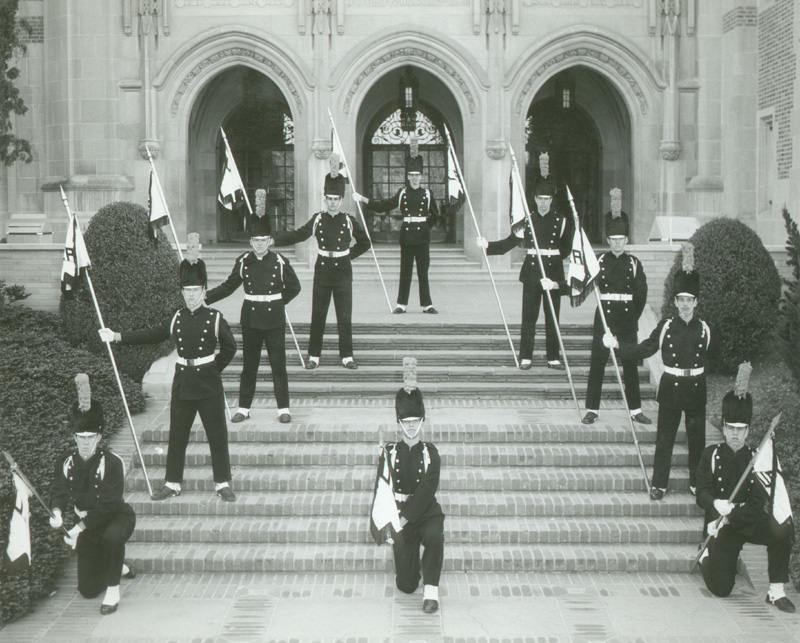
408,254
669,420
343,303
101,553
430,534
597,370
252,341
534,297
181,417
719,569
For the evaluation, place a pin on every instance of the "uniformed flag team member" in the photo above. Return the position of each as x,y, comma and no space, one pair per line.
747,517
623,295
420,213
91,479
683,341
554,237
198,332
269,284
415,465
333,273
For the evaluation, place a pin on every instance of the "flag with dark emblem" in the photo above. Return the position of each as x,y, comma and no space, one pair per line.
769,474
583,266
156,205
517,203
231,188
18,552
384,517
456,195
76,258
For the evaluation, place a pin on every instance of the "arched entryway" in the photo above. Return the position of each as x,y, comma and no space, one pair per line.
583,123
385,147
258,124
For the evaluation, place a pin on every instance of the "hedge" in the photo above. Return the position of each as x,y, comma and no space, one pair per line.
136,281
37,369
789,333
739,291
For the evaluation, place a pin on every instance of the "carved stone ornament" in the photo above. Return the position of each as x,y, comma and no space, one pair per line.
322,148
496,149
153,145
670,150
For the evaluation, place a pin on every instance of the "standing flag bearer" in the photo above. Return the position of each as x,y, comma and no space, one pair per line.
623,295
333,273
420,213
754,510
205,347
269,284
414,469
683,341
91,479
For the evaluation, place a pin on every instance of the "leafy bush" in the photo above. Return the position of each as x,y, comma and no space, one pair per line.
739,291
37,369
790,302
136,283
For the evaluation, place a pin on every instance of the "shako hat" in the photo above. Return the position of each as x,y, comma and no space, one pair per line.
86,415
545,186
192,270
258,224
737,405
617,226
408,401
687,279
334,185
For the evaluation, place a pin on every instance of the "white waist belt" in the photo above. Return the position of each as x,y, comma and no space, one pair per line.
545,252
415,219
333,253
684,372
615,296
274,297
196,362
401,497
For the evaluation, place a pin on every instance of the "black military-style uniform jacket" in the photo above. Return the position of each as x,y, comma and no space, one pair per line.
196,334
683,346
718,473
553,233
415,472
333,234
270,275
415,204
94,487
625,276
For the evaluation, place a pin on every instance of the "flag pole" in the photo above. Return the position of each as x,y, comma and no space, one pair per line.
250,209
547,292
110,353
164,201
15,469
361,212
483,250
606,330
718,522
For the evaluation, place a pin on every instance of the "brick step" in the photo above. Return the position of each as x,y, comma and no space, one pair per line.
471,503
486,455
466,531
263,428
169,558
460,479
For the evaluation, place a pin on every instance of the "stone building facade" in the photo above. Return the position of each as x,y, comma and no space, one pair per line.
687,106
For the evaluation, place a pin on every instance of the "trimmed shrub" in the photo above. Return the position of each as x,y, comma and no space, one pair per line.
739,291
37,369
790,302
135,279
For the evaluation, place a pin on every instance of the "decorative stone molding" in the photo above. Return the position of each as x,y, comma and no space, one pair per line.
670,150
153,145
496,149
235,52
322,148
603,59
413,53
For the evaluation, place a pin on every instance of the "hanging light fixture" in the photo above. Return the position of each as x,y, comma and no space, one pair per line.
409,95
565,90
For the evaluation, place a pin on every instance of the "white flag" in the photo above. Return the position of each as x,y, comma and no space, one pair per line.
337,149
76,258
769,474
455,191
18,552
157,205
231,188
384,508
517,203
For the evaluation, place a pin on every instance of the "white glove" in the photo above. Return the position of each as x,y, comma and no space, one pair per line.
81,514
108,335
723,507
72,536
609,341
715,527
549,284
359,197
482,243
56,521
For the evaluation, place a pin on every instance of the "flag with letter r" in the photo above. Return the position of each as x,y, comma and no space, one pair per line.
76,258
231,188
18,552
583,267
